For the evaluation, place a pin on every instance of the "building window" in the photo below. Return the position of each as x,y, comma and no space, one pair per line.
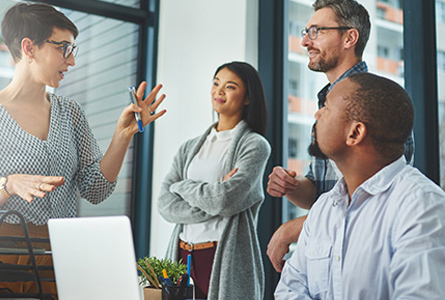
383,51
293,148
293,87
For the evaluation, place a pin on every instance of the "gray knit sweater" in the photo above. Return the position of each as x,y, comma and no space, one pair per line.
238,271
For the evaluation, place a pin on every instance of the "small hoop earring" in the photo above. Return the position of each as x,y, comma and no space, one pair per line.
29,60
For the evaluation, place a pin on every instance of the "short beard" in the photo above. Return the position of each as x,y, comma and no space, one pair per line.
314,148
323,65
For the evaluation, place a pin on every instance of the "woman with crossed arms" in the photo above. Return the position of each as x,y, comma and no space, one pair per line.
214,190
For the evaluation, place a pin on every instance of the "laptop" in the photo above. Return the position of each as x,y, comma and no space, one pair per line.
94,258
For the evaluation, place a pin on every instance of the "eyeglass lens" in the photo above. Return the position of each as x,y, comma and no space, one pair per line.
68,49
312,32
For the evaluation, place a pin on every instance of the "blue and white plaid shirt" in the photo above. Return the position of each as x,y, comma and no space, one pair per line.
321,171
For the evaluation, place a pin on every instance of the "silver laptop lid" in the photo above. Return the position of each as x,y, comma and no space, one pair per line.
94,258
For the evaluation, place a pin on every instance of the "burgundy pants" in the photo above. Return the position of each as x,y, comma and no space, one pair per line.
202,261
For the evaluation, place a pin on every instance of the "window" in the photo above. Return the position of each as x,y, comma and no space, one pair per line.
383,51
6,63
293,145
293,87
441,61
440,12
106,66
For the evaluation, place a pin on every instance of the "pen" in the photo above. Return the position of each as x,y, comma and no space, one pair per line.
189,267
137,115
166,279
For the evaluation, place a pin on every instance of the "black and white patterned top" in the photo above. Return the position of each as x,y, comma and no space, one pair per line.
70,151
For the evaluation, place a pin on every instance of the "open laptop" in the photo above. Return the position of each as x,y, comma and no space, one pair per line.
94,258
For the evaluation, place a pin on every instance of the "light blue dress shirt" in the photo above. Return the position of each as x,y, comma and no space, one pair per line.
389,243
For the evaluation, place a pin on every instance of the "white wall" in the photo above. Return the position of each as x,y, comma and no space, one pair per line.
195,37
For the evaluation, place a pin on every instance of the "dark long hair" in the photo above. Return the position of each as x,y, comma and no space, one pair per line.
255,113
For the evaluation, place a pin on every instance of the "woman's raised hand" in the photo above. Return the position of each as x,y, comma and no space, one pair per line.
146,108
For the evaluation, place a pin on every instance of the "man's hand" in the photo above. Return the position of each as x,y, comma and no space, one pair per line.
279,243
281,182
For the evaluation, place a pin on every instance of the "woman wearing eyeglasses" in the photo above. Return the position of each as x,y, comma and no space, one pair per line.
214,190
48,152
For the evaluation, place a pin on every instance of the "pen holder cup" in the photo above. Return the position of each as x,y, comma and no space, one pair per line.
172,292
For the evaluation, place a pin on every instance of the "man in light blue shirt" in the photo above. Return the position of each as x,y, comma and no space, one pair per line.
380,232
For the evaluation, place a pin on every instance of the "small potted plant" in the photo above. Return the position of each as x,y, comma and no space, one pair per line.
151,268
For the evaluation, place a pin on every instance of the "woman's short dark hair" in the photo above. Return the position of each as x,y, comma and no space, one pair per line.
33,21
255,113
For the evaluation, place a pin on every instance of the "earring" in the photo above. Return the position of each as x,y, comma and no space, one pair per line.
29,60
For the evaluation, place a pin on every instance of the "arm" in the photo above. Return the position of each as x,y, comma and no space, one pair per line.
293,283
170,205
300,192
236,194
285,235
417,265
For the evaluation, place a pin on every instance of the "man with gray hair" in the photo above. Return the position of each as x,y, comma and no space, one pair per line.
380,232
335,37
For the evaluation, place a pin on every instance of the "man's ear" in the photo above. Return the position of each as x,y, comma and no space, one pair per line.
28,48
357,133
352,36
247,101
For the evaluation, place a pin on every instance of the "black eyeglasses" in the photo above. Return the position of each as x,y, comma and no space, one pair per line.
67,48
313,31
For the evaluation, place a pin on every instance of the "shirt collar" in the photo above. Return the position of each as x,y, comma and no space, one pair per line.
224,135
378,183
384,178
357,68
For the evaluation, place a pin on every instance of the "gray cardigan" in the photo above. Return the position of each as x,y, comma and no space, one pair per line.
238,271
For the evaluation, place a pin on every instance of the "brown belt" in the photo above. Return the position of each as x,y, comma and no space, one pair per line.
190,247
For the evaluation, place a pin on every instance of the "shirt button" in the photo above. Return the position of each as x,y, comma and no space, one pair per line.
337,257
